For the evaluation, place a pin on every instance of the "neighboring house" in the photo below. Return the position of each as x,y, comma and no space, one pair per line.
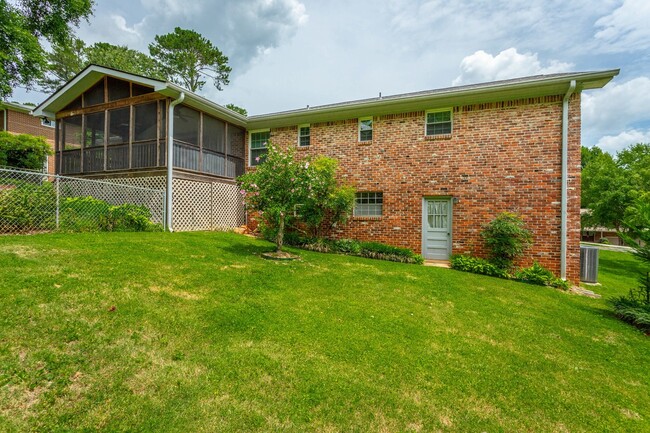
16,118
431,168
602,234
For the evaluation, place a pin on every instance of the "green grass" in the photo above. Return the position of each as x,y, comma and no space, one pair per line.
194,332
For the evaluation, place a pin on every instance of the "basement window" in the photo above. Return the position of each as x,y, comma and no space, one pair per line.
369,204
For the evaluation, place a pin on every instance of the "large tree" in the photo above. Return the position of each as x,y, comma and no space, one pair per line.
123,58
67,59
24,24
187,58
611,184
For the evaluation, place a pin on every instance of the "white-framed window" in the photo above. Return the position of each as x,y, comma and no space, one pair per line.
438,122
369,204
304,135
365,129
47,122
258,143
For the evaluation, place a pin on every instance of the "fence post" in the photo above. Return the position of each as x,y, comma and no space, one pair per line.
58,195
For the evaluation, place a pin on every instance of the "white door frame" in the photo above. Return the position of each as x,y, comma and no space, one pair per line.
424,222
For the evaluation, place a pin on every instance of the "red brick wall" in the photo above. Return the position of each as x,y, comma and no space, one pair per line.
23,123
502,156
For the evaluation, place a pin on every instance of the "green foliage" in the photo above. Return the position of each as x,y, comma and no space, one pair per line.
275,188
376,250
352,247
87,214
506,239
24,24
27,207
237,109
285,191
538,274
328,204
610,185
477,265
633,311
637,222
123,58
186,58
68,58
23,151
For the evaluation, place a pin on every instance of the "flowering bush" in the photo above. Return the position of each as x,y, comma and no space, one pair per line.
282,187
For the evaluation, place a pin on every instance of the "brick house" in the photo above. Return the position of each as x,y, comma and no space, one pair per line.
430,167
17,119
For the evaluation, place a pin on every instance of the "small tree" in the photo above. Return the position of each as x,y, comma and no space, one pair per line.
186,57
275,188
506,239
284,190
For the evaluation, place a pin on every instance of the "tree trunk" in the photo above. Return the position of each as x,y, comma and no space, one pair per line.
279,239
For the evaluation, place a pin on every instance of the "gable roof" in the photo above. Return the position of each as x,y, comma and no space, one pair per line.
93,73
517,88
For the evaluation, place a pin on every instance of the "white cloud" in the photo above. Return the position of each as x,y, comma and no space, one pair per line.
616,107
625,29
482,66
615,143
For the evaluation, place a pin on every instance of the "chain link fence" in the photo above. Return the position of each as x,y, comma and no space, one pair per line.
33,202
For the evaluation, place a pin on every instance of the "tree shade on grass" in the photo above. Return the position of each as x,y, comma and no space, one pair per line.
195,332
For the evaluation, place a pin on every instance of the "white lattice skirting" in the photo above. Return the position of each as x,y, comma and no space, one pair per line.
198,205
206,206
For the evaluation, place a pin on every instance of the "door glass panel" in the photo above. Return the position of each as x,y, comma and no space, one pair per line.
438,214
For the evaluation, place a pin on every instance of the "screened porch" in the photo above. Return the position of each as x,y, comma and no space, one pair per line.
118,126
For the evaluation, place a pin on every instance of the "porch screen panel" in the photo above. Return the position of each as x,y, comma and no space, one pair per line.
214,146
145,127
119,128
94,142
118,89
186,137
162,144
71,145
95,95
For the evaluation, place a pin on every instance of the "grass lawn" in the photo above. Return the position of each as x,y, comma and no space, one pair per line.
194,332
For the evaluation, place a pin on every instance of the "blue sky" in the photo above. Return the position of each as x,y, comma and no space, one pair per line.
287,54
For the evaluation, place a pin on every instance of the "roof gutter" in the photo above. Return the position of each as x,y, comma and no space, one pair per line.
565,177
170,159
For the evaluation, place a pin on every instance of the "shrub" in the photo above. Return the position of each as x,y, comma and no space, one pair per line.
347,246
372,250
538,274
27,207
88,214
633,311
376,250
477,265
506,238
23,151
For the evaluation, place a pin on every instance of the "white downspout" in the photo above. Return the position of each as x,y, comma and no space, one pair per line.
565,177
170,159
4,115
